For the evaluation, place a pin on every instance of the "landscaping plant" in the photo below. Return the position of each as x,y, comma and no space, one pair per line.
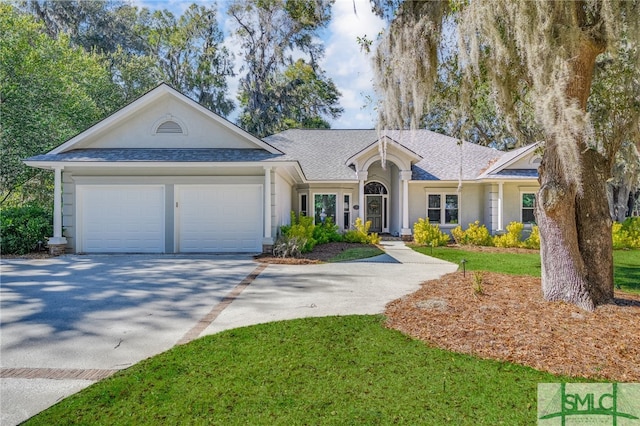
513,237
302,230
428,234
21,228
361,234
475,235
626,235
327,232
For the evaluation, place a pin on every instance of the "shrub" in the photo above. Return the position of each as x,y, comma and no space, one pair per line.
301,229
474,235
626,235
361,234
533,242
513,237
327,232
287,246
21,228
426,233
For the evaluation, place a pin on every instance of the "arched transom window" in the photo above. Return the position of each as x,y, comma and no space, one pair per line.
375,188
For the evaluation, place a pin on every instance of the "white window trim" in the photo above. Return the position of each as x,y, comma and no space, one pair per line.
313,207
443,203
347,226
521,207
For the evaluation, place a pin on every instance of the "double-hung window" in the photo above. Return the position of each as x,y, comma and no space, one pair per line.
528,207
442,209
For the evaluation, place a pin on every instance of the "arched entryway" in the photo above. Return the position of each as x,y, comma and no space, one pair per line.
377,206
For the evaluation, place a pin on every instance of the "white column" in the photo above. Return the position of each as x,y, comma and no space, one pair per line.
362,177
267,206
57,208
500,205
405,177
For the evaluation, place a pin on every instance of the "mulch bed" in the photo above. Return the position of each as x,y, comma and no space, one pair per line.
510,321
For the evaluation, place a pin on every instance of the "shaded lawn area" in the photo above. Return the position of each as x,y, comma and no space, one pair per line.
626,263
333,370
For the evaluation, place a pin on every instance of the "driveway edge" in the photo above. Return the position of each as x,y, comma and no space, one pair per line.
205,321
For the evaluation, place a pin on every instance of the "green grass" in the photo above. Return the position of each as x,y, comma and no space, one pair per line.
626,263
320,371
626,270
507,263
356,253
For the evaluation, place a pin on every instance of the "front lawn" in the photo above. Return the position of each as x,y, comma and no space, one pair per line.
333,370
626,263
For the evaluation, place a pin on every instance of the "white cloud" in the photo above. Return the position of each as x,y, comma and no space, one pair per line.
346,64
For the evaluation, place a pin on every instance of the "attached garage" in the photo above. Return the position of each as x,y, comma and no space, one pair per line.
219,218
121,218
166,175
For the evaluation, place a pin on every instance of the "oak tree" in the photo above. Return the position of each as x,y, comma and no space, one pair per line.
548,51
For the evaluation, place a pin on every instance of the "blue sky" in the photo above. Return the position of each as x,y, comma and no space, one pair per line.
344,63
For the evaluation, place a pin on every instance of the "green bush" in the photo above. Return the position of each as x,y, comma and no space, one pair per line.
21,228
533,242
301,229
361,234
513,237
474,235
426,233
626,235
327,232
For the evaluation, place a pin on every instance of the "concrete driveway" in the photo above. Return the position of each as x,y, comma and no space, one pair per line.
69,321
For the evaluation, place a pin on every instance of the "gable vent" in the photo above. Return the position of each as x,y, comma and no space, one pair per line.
169,127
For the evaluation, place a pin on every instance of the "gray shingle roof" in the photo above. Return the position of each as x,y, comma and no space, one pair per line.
506,157
323,153
159,155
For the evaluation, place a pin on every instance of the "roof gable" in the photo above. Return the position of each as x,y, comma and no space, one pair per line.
164,118
519,163
394,150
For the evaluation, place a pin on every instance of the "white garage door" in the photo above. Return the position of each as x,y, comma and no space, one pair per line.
219,218
121,218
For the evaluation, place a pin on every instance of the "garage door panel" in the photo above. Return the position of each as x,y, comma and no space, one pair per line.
220,218
122,219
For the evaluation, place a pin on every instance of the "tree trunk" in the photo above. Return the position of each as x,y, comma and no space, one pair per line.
618,196
575,226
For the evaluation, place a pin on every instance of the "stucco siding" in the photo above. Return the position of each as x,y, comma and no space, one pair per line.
68,210
283,205
137,130
513,200
471,204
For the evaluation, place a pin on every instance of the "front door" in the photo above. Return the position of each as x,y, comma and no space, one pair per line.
374,212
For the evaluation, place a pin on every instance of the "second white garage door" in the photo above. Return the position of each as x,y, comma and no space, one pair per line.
219,218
